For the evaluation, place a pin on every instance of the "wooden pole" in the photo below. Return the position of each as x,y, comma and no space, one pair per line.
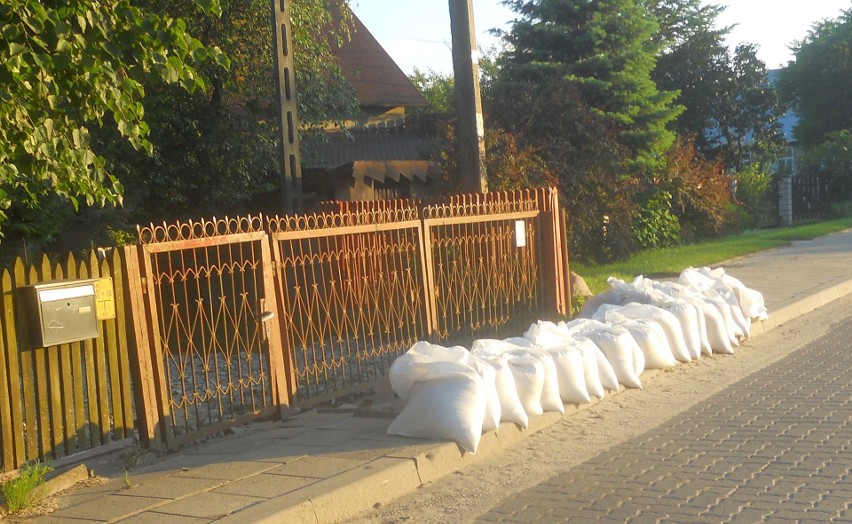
471,128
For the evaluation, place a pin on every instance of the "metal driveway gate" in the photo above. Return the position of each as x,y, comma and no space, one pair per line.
212,330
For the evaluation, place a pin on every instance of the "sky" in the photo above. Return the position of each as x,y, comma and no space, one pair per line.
417,33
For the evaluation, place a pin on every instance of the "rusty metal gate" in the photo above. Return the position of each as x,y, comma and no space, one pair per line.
238,318
353,295
210,305
485,257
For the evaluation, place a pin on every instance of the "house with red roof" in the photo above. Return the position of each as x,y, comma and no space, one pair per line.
376,155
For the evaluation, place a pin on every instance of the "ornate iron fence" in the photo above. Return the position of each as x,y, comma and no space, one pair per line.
352,291
242,317
219,321
485,257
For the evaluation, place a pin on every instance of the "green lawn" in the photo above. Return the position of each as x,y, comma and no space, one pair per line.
669,261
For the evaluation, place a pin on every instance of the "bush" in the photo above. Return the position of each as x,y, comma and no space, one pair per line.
654,224
757,205
700,191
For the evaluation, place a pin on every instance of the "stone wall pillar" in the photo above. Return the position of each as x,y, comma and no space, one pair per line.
785,200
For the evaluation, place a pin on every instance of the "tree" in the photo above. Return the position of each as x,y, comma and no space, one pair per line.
700,190
693,61
745,125
818,83
75,64
215,152
210,151
602,47
732,109
437,89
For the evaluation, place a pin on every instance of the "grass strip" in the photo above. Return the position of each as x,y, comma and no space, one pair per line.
656,263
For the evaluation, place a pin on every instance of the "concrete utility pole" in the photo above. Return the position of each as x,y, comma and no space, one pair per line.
282,53
471,128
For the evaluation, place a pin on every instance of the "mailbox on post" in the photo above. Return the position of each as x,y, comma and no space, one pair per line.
60,312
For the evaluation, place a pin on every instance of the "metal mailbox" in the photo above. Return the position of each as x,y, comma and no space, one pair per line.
60,312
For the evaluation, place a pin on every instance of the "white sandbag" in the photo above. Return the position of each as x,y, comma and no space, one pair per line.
570,373
750,301
451,407
440,353
528,372
404,371
493,412
550,400
730,326
743,325
544,334
580,329
597,371
623,354
710,288
606,371
652,340
667,321
591,372
521,342
487,347
717,333
511,409
687,317
592,304
550,396
684,294
648,335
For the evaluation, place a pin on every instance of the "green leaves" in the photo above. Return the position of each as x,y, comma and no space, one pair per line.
64,67
818,81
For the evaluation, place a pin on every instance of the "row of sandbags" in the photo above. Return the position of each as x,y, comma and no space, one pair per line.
457,394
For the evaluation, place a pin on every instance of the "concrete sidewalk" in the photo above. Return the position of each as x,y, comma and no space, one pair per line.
328,466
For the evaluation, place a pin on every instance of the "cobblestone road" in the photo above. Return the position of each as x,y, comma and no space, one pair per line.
774,447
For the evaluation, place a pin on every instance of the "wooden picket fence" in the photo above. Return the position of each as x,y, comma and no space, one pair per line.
62,403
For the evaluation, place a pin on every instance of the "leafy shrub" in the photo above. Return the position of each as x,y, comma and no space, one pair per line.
757,203
700,191
654,224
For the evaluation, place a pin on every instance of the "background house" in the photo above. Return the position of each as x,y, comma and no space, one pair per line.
377,155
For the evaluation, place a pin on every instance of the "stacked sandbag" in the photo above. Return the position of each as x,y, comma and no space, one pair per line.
447,400
713,329
660,293
570,368
597,371
648,334
534,371
452,384
618,346
456,394
511,408
669,321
